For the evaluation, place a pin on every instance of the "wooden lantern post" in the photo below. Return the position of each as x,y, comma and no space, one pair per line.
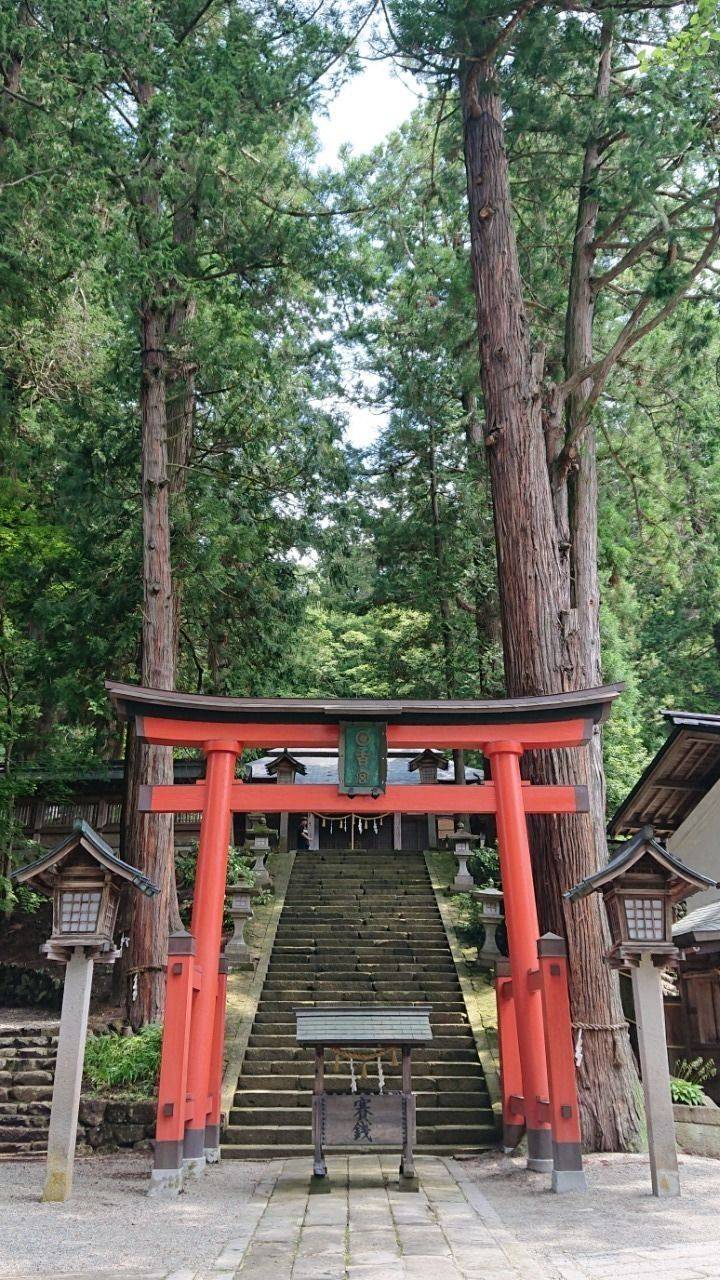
84,877
640,886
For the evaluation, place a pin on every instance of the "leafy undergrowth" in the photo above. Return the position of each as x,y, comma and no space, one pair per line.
128,1065
686,1092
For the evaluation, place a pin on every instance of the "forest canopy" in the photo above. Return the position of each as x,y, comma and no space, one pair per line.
301,564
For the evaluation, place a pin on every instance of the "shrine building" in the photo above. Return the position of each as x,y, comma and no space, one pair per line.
387,830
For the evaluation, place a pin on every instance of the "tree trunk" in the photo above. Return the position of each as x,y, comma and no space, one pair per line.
151,835
439,552
483,607
539,622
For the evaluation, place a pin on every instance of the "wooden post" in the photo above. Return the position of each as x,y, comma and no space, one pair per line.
68,1075
652,1042
167,1175
408,1176
320,1181
513,1103
397,832
522,925
568,1172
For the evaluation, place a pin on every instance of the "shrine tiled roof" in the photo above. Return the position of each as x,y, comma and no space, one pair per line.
321,766
682,772
700,925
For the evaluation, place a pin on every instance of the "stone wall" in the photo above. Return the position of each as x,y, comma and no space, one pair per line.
105,1124
697,1130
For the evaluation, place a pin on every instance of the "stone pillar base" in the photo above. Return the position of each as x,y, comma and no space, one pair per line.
58,1185
165,1182
212,1143
540,1151
568,1180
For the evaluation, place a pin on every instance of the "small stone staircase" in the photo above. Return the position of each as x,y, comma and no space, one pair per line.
358,927
27,1070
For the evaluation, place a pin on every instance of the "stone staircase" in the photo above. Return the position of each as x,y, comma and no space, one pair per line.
27,1069
358,927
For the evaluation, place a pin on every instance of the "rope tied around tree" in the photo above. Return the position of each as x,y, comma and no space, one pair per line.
580,1027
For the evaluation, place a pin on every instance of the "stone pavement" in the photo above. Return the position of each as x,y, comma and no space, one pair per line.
367,1229
480,1219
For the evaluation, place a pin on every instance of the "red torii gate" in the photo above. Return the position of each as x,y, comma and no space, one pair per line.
188,1123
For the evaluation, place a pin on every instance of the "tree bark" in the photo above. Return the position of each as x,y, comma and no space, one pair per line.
446,631
150,836
540,622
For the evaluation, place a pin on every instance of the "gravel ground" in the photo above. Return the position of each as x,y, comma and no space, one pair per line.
110,1225
618,1223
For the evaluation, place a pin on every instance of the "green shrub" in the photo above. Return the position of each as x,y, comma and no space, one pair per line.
484,867
686,1092
240,871
470,926
20,987
127,1063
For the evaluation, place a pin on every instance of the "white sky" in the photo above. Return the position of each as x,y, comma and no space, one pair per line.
366,109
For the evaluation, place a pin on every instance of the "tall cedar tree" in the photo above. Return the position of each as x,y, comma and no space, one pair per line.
654,240
167,102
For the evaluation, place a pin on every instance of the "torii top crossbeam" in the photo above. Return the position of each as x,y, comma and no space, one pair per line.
181,719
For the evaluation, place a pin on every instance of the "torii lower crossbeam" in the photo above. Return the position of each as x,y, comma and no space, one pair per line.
188,1110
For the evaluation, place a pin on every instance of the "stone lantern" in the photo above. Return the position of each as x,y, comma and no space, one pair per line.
461,842
257,846
492,916
640,886
84,877
237,952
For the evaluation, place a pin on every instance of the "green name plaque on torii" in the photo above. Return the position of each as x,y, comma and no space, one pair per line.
362,757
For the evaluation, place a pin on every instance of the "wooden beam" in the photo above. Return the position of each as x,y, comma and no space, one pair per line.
167,732
247,797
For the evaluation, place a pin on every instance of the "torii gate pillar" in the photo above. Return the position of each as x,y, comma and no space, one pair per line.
523,933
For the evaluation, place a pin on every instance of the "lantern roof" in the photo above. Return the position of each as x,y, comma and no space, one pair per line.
428,756
284,757
42,873
681,879
461,835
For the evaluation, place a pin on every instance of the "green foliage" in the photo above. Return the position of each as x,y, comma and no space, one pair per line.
21,987
484,867
470,927
695,1070
686,1093
124,1063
